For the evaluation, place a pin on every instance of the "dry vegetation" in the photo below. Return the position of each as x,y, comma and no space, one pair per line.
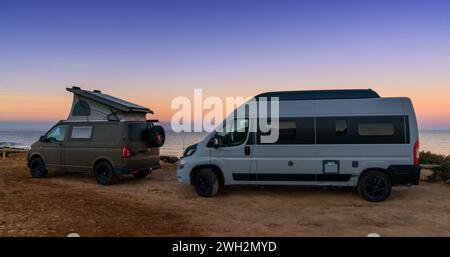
160,206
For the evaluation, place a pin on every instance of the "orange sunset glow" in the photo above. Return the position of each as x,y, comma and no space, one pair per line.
161,52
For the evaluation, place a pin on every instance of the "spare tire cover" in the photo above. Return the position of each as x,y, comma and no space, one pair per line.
157,136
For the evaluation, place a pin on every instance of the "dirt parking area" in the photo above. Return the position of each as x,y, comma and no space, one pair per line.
160,206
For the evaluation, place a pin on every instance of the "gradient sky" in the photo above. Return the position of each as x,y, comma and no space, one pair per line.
151,51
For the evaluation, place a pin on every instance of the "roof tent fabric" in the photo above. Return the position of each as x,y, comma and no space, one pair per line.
96,106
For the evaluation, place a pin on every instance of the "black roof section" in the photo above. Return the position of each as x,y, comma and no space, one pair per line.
111,101
321,94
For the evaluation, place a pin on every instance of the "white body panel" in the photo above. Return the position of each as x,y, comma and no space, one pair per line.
299,163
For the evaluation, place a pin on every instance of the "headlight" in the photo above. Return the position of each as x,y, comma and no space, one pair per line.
190,150
183,162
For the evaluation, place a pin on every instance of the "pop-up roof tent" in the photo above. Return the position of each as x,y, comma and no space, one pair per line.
96,106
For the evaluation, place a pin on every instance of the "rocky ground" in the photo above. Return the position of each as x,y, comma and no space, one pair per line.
160,206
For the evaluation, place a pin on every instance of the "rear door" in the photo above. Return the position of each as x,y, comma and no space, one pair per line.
138,138
138,142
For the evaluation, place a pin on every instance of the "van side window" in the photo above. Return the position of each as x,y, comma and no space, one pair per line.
341,128
57,134
235,133
287,131
81,108
106,133
293,131
362,130
375,129
84,132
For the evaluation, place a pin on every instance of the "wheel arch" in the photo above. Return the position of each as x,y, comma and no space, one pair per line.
34,156
211,167
385,171
101,159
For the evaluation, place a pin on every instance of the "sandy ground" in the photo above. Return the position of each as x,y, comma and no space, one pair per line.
159,206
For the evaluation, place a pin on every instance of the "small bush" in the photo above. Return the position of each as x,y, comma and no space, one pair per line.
169,159
441,173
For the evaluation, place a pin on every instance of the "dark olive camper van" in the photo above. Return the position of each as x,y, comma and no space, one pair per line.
104,135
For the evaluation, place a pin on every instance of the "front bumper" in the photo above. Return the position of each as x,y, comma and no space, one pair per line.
183,171
404,174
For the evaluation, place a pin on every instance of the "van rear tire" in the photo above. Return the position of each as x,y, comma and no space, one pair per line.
104,173
374,186
206,183
37,168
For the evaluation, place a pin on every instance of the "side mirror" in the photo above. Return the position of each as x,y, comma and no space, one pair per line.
214,142
42,139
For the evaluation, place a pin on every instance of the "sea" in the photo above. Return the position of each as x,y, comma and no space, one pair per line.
19,135
23,135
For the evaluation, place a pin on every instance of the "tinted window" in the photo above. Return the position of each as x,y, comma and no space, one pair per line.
138,131
57,134
287,131
361,130
81,132
294,131
106,132
235,133
341,128
239,134
375,129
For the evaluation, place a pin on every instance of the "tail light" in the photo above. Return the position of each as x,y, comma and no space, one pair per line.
126,152
158,138
416,153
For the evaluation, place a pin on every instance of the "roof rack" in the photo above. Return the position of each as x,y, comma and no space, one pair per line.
321,94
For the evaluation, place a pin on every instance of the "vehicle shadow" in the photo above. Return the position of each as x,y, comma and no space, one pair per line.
282,192
89,178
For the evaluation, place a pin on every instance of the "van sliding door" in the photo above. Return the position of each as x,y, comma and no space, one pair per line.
292,158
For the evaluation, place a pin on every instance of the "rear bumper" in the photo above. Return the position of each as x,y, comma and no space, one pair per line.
404,174
124,170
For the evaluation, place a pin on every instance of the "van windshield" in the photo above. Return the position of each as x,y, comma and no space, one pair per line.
138,131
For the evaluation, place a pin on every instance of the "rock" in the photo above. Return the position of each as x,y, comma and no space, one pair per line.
373,235
73,235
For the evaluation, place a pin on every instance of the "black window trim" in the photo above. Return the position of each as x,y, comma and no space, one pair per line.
404,123
297,120
369,140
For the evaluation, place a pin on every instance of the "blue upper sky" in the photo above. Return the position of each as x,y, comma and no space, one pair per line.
396,47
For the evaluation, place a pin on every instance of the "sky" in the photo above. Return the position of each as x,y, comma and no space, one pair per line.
149,52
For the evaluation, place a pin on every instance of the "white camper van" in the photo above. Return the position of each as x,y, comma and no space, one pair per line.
348,138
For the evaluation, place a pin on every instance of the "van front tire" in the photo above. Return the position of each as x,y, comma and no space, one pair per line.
206,183
37,168
374,186
104,173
